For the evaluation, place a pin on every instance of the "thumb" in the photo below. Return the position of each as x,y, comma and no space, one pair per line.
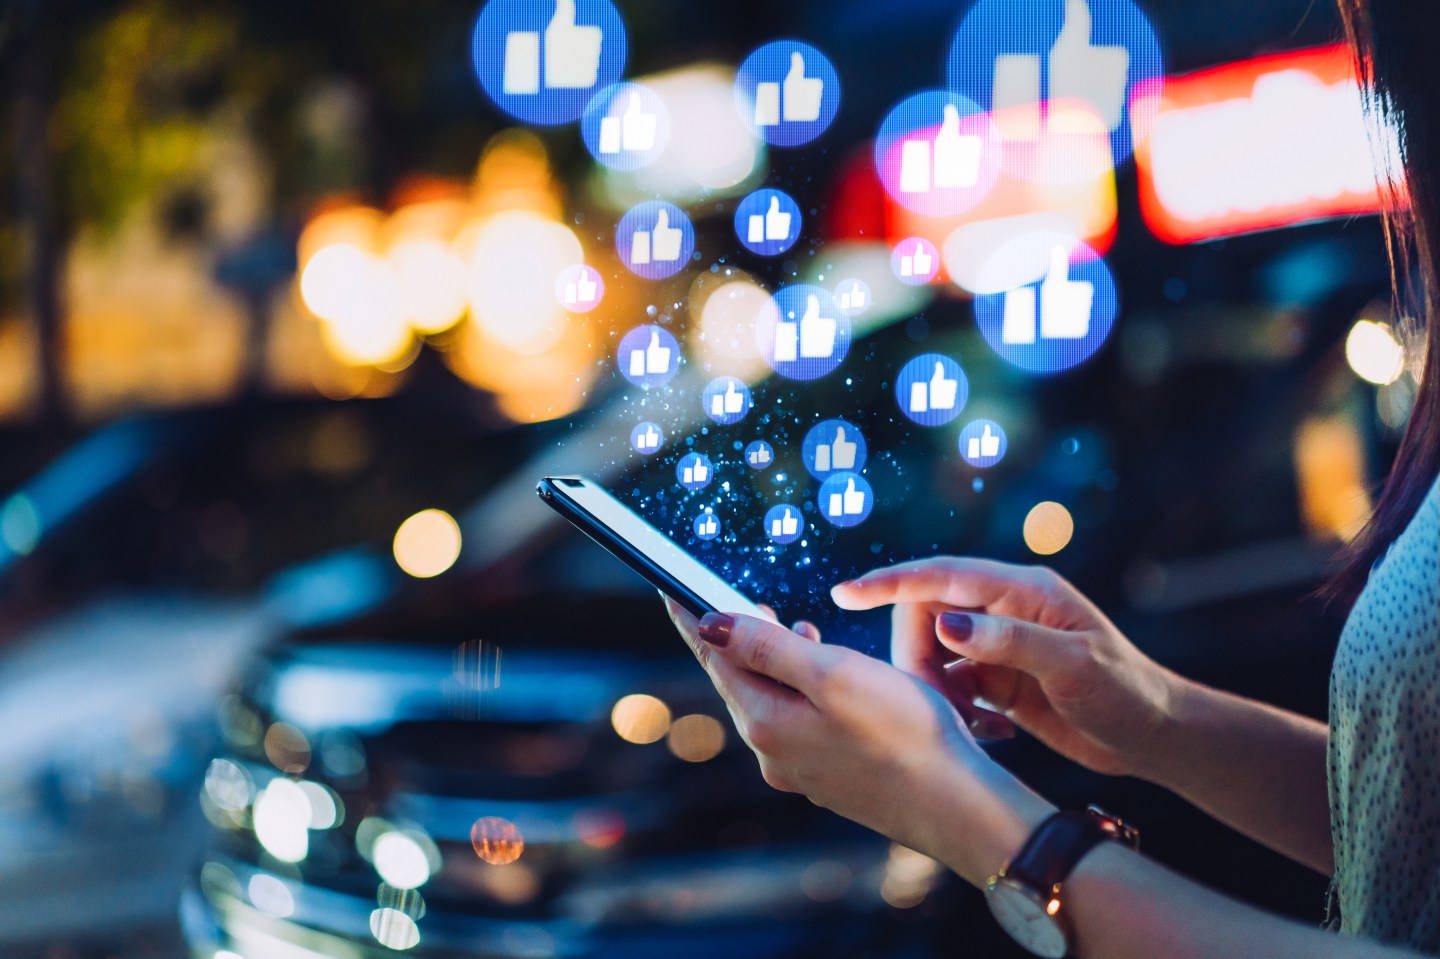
987,433
564,14
839,435
1059,266
634,103
662,219
1075,31
951,123
774,204
939,376
797,66
812,306
1006,641
850,486
654,339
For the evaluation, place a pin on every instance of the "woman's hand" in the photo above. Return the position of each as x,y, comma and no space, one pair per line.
863,739
1034,648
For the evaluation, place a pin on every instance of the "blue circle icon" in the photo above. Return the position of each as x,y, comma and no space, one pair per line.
937,153
801,333
853,297
759,455
655,239
845,499
788,92
1060,320
1058,70
982,443
648,356
694,471
542,62
784,523
833,446
931,389
727,400
767,222
706,527
647,438
626,126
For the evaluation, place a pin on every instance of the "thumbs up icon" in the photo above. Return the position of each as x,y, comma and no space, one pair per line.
984,446
786,525
937,394
648,439
802,96
634,130
657,357
1065,304
1095,76
694,471
727,404
851,502
666,245
707,527
572,55
956,158
582,291
817,333
918,263
773,225
760,456
852,297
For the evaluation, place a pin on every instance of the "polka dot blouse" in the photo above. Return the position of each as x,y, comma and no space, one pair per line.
1384,754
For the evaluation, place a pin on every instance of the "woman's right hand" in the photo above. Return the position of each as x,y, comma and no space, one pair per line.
1034,648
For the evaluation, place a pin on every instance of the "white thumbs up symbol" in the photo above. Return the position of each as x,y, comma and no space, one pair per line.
771,225
836,455
916,263
849,503
984,446
582,290
938,394
708,526
802,97
572,55
649,439
729,403
760,456
786,524
817,333
956,158
634,130
1064,303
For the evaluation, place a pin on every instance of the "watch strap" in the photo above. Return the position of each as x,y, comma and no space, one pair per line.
1058,844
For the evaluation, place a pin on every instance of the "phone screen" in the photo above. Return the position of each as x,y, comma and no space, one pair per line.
643,548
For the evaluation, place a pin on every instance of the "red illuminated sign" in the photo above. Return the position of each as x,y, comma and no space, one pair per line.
1260,144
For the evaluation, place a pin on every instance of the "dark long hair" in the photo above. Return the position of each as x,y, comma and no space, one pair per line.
1395,46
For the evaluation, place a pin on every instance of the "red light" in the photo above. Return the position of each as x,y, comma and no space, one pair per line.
1258,144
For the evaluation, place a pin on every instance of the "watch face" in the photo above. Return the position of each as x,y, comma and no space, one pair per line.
1023,916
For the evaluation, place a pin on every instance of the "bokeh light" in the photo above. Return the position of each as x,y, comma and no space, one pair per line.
393,929
1374,353
270,895
287,748
282,820
640,718
427,544
512,260
404,859
696,737
1048,528
496,840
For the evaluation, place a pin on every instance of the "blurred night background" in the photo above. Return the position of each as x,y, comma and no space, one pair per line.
258,309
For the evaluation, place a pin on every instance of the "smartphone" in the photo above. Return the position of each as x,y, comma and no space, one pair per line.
642,547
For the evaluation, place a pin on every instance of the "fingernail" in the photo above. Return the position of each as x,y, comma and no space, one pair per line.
715,628
958,626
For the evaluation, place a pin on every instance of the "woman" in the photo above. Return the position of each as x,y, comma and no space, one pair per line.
1359,798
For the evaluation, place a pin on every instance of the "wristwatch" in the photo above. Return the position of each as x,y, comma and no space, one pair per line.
1025,897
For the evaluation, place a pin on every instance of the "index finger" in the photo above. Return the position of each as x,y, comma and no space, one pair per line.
985,584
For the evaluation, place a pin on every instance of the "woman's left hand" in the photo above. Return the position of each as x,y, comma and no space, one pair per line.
864,739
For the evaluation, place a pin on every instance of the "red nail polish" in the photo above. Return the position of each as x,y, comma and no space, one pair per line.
715,628
958,626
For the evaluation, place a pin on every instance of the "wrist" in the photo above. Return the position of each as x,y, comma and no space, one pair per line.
980,816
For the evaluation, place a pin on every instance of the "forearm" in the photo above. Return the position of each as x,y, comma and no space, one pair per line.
1259,769
1122,905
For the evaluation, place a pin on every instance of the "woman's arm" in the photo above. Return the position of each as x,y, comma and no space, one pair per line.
1038,651
878,746
1259,769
